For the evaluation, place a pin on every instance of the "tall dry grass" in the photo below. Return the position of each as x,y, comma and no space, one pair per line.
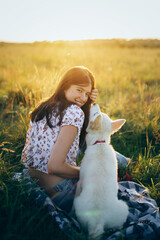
128,79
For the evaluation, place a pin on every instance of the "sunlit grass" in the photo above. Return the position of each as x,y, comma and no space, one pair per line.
128,79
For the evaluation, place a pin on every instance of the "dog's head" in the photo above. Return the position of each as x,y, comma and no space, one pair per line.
101,126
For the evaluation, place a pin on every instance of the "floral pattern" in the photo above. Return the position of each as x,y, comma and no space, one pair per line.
40,139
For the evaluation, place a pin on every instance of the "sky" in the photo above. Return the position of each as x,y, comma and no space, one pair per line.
50,20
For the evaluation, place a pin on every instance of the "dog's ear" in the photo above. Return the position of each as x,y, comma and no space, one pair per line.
117,124
96,124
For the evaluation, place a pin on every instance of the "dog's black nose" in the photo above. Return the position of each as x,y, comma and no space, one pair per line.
94,103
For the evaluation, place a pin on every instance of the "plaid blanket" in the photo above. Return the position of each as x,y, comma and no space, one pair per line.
143,221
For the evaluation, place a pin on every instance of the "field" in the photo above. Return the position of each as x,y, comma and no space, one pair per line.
128,80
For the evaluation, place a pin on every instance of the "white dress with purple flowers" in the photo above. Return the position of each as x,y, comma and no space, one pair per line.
40,139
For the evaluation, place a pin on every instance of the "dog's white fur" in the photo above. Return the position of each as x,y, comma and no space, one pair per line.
96,203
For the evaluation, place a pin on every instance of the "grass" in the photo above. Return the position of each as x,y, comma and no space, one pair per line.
127,76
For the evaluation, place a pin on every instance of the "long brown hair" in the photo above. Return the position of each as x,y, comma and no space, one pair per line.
78,75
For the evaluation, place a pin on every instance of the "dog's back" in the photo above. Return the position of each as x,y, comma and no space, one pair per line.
99,168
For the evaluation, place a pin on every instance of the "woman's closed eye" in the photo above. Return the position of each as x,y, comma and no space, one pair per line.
79,90
88,94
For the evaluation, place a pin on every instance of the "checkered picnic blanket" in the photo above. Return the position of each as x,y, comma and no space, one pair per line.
143,221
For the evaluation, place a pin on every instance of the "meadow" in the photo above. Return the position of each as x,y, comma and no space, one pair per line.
128,80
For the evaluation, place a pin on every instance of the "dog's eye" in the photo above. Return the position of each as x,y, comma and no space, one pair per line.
95,113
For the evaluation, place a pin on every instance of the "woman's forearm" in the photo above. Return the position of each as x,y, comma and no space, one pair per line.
65,171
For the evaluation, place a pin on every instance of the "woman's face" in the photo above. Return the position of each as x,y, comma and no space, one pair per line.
78,94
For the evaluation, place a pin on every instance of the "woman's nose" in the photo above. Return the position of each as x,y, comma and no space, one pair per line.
83,97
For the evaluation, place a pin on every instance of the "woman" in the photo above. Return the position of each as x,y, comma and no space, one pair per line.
53,136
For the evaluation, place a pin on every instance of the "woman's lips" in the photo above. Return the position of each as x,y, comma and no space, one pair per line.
79,103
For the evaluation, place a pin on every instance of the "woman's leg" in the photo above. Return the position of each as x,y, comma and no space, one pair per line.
65,193
59,189
45,180
122,160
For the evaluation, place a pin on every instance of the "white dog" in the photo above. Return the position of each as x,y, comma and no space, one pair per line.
96,203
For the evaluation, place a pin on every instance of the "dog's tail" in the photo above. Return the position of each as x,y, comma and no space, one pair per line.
89,218
95,230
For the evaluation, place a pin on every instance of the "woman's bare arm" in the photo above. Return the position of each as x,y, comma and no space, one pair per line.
57,164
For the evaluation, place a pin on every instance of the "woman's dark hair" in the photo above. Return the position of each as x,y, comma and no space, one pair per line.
57,102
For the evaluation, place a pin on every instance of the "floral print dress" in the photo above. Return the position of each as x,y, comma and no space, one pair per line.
40,139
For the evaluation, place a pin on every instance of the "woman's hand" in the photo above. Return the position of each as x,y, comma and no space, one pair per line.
93,95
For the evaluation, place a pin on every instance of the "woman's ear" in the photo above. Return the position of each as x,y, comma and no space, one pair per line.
117,124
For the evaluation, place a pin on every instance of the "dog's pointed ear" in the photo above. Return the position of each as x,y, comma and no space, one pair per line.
96,124
117,124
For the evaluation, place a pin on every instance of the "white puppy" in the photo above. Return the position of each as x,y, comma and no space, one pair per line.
96,203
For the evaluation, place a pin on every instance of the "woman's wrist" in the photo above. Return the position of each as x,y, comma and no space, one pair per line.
65,171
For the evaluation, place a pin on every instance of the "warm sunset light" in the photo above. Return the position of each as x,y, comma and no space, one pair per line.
72,72
38,20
